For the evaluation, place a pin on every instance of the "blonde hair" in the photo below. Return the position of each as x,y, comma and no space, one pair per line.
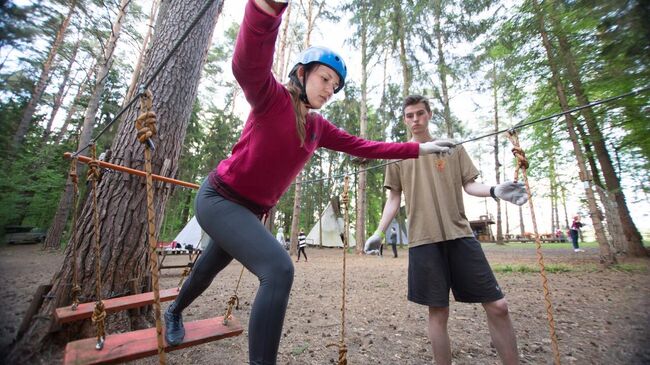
294,91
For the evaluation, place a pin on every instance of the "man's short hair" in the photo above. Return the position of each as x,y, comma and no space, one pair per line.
415,99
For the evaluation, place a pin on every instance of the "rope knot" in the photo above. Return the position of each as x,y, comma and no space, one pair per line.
99,314
520,155
343,352
146,121
94,172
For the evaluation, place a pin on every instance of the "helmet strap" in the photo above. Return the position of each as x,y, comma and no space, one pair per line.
303,91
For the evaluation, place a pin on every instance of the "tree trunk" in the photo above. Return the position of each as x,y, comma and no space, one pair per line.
39,88
497,164
522,230
362,201
632,236
442,72
58,98
122,198
72,110
280,61
143,52
406,70
606,257
611,217
295,217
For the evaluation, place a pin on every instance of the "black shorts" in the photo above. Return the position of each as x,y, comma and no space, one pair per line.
458,264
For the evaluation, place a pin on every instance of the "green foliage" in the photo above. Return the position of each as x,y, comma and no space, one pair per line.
32,184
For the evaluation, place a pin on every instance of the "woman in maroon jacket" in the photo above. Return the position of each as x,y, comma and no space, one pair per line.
279,137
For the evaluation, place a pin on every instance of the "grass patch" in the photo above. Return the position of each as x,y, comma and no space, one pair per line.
631,268
299,349
532,246
526,269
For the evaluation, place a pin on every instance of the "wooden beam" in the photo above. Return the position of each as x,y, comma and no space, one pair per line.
85,310
139,344
128,170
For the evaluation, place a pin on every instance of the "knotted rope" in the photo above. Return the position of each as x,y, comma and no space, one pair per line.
99,314
233,302
522,164
146,127
345,199
76,288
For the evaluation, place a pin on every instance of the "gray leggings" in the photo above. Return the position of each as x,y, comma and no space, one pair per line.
237,233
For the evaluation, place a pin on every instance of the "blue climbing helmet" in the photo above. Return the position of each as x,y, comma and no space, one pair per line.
324,56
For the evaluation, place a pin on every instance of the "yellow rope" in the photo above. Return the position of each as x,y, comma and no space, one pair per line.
234,299
76,289
522,164
99,314
345,199
146,126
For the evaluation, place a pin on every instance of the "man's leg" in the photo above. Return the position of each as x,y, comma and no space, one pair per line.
394,250
501,331
438,335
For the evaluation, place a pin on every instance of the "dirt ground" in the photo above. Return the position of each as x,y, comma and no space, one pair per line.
602,317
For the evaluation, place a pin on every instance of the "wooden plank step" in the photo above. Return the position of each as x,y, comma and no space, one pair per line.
135,345
85,310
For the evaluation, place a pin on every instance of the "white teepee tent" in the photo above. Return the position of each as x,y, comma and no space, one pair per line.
192,235
333,227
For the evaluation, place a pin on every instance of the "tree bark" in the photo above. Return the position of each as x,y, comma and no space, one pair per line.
606,257
122,199
39,88
632,236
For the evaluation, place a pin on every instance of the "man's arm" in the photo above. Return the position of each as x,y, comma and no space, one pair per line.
390,210
477,189
513,192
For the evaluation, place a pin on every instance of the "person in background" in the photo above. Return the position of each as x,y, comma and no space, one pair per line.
574,232
392,240
279,137
280,236
443,252
302,244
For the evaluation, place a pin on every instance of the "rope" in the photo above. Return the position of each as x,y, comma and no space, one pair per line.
76,288
522,164
99,314
234,300
345,199
146,128
517,126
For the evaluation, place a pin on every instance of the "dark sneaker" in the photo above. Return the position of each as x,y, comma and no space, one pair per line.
174,330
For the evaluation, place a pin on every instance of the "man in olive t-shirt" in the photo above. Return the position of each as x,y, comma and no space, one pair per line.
443,253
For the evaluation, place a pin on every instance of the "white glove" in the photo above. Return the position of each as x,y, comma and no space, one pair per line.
373,242
437,146
514,192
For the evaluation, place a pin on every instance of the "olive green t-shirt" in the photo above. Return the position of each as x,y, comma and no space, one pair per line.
433,191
